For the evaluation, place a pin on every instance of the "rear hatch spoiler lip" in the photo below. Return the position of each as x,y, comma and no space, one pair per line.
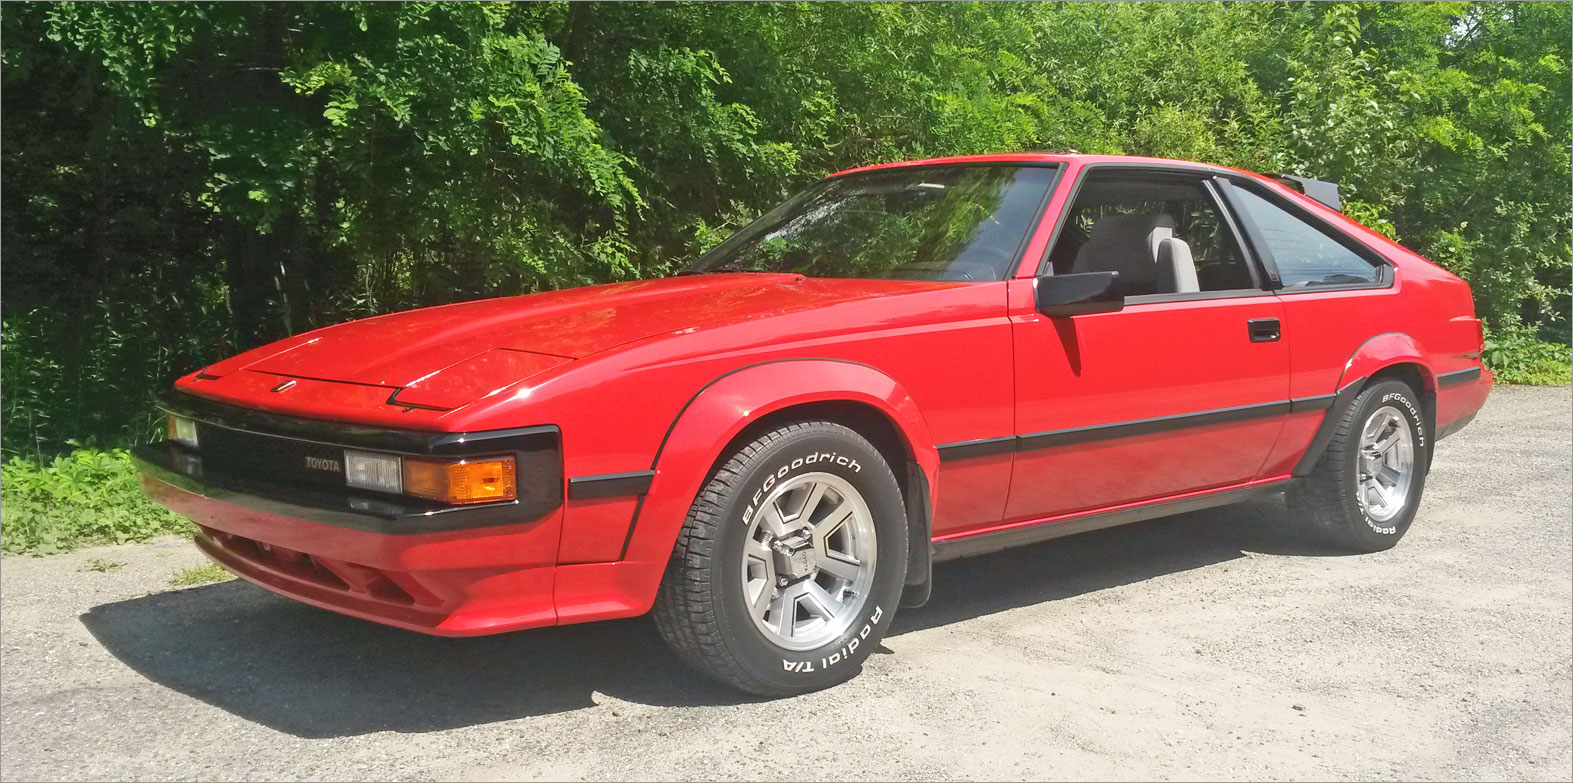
1320,191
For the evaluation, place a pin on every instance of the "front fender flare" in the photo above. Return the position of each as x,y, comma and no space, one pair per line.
727,405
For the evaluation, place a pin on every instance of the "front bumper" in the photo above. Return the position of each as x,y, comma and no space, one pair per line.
404,566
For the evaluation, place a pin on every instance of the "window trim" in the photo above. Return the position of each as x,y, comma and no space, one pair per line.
1205,176
1227,185
1195,296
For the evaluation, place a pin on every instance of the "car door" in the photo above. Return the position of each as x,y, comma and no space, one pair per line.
1183,390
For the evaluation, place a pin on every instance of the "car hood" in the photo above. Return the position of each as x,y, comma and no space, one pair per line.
448,355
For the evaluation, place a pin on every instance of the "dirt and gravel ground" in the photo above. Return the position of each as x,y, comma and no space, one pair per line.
1219,644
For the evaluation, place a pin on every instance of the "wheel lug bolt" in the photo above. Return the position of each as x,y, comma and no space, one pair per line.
782,582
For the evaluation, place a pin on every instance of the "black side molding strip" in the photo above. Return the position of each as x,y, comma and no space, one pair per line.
1318,403
982,447
986,447
610,485
984,543
1040,440
1457,377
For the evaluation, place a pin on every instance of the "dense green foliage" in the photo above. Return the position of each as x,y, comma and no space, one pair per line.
1517,355
184,180
89,497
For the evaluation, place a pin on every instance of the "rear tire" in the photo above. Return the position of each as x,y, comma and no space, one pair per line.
1363,494
790,564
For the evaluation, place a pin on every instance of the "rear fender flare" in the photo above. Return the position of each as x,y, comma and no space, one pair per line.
728,405
1373,356
1386,350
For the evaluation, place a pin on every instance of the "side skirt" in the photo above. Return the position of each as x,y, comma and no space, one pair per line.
984,542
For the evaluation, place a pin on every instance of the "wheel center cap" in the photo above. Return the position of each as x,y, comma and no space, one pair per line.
795,557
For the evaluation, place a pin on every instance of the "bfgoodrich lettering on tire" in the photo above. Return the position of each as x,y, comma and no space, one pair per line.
790,563
1364,493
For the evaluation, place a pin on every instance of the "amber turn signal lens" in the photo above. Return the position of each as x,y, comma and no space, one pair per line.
182,430
465,481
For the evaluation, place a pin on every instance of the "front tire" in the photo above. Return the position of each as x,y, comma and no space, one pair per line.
790,564
1363,494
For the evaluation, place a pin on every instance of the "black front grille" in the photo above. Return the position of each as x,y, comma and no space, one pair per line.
266,458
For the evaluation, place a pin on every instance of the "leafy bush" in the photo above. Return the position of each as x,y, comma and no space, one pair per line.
1517,355
79,499
184,181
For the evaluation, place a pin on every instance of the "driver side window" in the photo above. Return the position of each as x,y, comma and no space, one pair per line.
1163,233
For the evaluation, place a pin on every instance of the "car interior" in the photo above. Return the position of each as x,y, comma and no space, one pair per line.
1163,235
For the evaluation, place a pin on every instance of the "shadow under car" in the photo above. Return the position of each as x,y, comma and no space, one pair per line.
315,674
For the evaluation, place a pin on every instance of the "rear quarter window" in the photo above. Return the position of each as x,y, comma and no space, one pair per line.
1305,254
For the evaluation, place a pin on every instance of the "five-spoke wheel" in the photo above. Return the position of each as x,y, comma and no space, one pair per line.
808,560
791,563
1387,463
1364,492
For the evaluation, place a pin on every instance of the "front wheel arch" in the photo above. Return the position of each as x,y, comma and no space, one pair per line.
888,438
723,409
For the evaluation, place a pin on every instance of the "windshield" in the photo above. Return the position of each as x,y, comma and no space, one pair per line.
934,223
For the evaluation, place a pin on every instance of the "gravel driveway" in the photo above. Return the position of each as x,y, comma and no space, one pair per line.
1219,644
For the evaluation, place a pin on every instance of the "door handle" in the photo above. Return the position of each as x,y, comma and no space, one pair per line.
1264,330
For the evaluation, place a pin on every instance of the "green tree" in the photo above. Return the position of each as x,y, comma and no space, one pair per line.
185,180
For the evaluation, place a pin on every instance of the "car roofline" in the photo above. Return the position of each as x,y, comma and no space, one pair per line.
1053,157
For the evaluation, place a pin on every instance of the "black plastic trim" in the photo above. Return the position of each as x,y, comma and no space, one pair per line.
985,543
1124,429
383,514
1384,281
610,485
1318,403
1340,402
982,447
1248,234
1194,296
537,453
1264,330
920,556
417,442
1457,377
1322,191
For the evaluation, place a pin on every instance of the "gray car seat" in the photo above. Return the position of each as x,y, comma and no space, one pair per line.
1143,249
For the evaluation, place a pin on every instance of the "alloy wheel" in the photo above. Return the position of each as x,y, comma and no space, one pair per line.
1387,463
808,560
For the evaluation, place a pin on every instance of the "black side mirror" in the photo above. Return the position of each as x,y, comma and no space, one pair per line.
1079,294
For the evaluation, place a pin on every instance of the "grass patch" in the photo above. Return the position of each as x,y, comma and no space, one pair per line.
84,498
100,565
198,575
1516,355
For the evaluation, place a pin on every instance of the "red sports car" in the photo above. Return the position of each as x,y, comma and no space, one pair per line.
902,364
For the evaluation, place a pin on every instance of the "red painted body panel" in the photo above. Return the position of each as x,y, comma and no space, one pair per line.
462,583
661,375
1160,359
